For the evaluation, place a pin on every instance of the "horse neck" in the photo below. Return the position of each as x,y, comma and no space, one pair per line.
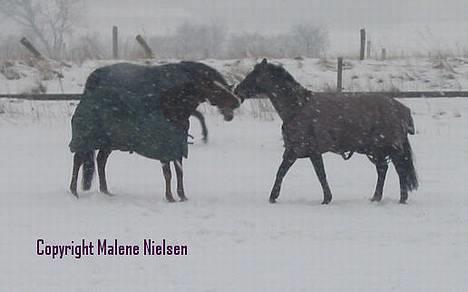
288,100
177,109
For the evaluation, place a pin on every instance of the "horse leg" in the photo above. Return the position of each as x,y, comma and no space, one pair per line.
382,167
400,168
88,170
166,166
77,162
317,161
180,179
403,161
201,119
101,162
288,160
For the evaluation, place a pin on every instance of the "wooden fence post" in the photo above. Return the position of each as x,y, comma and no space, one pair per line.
148,52
115,42
339,82
363,44
28,45
384,54
368,49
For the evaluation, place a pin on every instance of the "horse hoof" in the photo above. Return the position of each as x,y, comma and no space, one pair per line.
107,193
75,194
171,200
403,202
326,202
183,199
272,201
376,199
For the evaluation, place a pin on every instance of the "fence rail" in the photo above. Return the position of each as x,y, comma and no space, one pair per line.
402,94
43,97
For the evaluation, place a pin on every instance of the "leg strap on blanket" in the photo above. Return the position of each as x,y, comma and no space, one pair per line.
347,156
375,160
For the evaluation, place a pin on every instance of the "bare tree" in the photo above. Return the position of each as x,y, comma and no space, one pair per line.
310,40
47,22
248,45
302,40
199,41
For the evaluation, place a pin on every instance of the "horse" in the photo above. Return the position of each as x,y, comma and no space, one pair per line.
376,126
143,109
199,116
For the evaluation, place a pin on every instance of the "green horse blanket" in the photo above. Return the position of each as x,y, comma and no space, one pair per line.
118,119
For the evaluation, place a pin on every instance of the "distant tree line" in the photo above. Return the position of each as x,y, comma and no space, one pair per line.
51,25
214,41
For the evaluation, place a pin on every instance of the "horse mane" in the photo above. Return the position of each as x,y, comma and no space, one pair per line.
282,73
297,94
204,70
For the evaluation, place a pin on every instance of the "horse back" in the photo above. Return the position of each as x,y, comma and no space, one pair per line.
348,123
137,79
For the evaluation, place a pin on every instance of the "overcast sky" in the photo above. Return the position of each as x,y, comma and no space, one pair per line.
274,15
401,24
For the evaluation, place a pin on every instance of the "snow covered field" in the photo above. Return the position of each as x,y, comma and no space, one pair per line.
417,74
237,240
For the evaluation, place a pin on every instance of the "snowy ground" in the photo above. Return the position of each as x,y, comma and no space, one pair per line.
237,240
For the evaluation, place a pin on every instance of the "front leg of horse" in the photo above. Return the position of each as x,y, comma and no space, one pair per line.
167,176
102,157
317,161
403,187
288,161
77,162
180,179
382,167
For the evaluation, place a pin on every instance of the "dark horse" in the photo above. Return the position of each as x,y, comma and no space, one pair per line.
143,109
199,116
312,125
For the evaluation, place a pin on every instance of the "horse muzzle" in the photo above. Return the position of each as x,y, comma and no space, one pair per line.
228,114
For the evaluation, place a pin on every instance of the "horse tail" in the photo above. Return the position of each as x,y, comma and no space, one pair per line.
88,170
405,165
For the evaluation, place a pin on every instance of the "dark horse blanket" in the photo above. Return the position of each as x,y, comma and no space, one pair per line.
348,123
121,110
109,119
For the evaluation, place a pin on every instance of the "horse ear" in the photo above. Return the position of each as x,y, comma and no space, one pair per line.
264,61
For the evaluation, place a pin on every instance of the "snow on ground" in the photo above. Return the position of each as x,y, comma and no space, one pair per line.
436,73
237,240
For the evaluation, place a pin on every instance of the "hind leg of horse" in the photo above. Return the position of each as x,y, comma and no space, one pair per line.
166,166
180,179
317,161
399,166
102,157
382,166
288,160
77,162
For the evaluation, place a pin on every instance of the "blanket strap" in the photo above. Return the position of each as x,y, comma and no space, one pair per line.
375,161
347,156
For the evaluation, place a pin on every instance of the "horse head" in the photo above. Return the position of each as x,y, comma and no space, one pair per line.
264,79
214,88
274,82
224,99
